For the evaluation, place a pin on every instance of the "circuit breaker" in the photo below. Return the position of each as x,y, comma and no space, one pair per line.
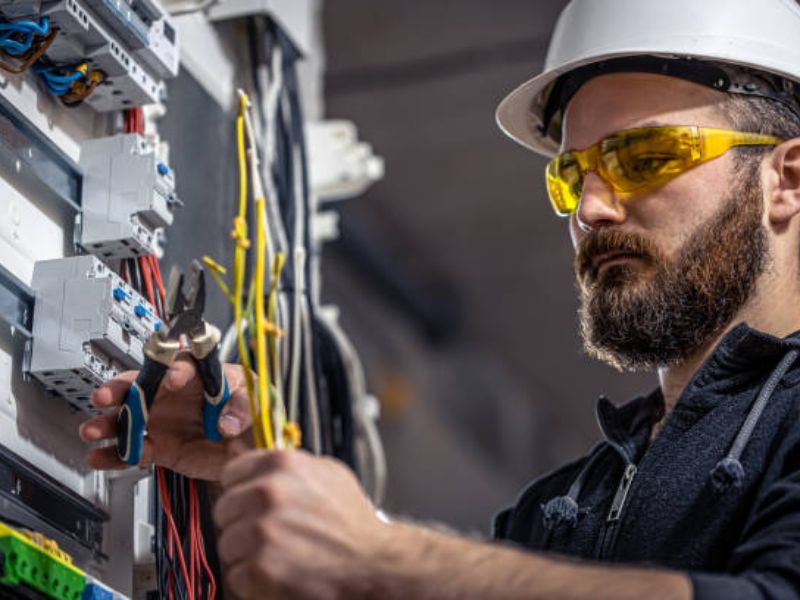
128,194
88,326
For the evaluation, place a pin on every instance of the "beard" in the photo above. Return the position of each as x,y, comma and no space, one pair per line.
659,312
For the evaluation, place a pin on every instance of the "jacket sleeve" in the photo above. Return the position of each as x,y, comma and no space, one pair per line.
765,564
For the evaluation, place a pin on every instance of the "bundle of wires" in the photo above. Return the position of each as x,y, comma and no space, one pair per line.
25,43
305,386
256,329
316,386
184,570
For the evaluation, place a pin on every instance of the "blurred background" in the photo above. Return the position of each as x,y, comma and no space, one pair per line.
453,275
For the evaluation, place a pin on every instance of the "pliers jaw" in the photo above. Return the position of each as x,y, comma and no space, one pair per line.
185,310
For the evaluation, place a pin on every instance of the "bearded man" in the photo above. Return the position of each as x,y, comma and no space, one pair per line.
677,160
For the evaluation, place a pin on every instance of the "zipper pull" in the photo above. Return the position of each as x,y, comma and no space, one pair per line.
622,493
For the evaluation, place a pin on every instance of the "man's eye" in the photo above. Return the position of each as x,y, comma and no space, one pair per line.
648,164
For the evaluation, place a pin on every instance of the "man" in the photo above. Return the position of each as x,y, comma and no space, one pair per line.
678,129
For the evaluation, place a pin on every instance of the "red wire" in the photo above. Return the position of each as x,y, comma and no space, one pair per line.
156,270
133,120
173,530
192,541
212,584
144,265
151,270
197,540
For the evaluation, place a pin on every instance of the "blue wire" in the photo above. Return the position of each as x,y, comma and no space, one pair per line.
42,28
27,29
14,47
59,79
58,85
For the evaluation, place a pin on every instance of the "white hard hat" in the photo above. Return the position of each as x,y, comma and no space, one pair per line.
716,42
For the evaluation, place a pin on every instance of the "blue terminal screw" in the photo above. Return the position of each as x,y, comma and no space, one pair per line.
162,169
157,326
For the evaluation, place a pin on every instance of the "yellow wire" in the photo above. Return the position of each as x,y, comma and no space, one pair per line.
264,386
290,432
242,243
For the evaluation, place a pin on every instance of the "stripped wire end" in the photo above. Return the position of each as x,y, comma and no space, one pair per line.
217,271
272,329
214,265
292,435
239,233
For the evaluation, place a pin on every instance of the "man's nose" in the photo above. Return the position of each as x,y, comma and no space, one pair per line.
599,205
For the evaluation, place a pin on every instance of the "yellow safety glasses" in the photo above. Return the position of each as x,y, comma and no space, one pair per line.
640,160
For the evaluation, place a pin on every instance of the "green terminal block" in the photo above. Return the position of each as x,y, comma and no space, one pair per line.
25,563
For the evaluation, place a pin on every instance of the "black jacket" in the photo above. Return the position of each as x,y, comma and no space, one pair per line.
717,493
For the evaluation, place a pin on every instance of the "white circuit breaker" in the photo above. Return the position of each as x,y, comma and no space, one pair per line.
88,326
128,194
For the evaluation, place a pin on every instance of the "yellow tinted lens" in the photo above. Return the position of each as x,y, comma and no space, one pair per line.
647,158
564,183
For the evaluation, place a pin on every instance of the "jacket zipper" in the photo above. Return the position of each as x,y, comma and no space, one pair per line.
614,514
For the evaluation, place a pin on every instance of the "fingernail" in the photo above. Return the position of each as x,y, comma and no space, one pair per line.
230,425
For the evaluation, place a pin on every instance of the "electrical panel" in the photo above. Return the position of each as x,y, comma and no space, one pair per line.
128,195
79,320
89,325
82,38
134,45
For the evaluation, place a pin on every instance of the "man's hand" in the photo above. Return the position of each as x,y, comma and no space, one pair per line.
175,424
298,527
295,526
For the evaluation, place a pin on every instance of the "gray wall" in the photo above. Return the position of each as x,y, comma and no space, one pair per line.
455,277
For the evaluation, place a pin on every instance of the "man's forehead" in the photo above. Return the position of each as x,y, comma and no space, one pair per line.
611,103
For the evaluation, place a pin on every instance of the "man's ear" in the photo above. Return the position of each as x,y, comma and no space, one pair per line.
782,182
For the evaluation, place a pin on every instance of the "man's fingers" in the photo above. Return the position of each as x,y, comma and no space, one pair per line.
180,374
240,541
235,417
113,391
99,428
251,463
247,498
107,458
238,579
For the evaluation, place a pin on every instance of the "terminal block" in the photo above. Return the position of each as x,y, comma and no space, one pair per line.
83,38
128,194
88,325
28,563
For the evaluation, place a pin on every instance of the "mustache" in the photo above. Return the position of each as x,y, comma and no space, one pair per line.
605,241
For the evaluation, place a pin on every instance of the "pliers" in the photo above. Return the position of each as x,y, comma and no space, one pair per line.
184,328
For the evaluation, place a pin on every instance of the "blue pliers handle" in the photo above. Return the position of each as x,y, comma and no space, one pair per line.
216,391
159,352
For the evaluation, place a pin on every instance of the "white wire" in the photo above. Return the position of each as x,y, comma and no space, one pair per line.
313,406
228,345
366,411
297,338
274,88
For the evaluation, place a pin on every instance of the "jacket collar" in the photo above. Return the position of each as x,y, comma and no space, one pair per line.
742,358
